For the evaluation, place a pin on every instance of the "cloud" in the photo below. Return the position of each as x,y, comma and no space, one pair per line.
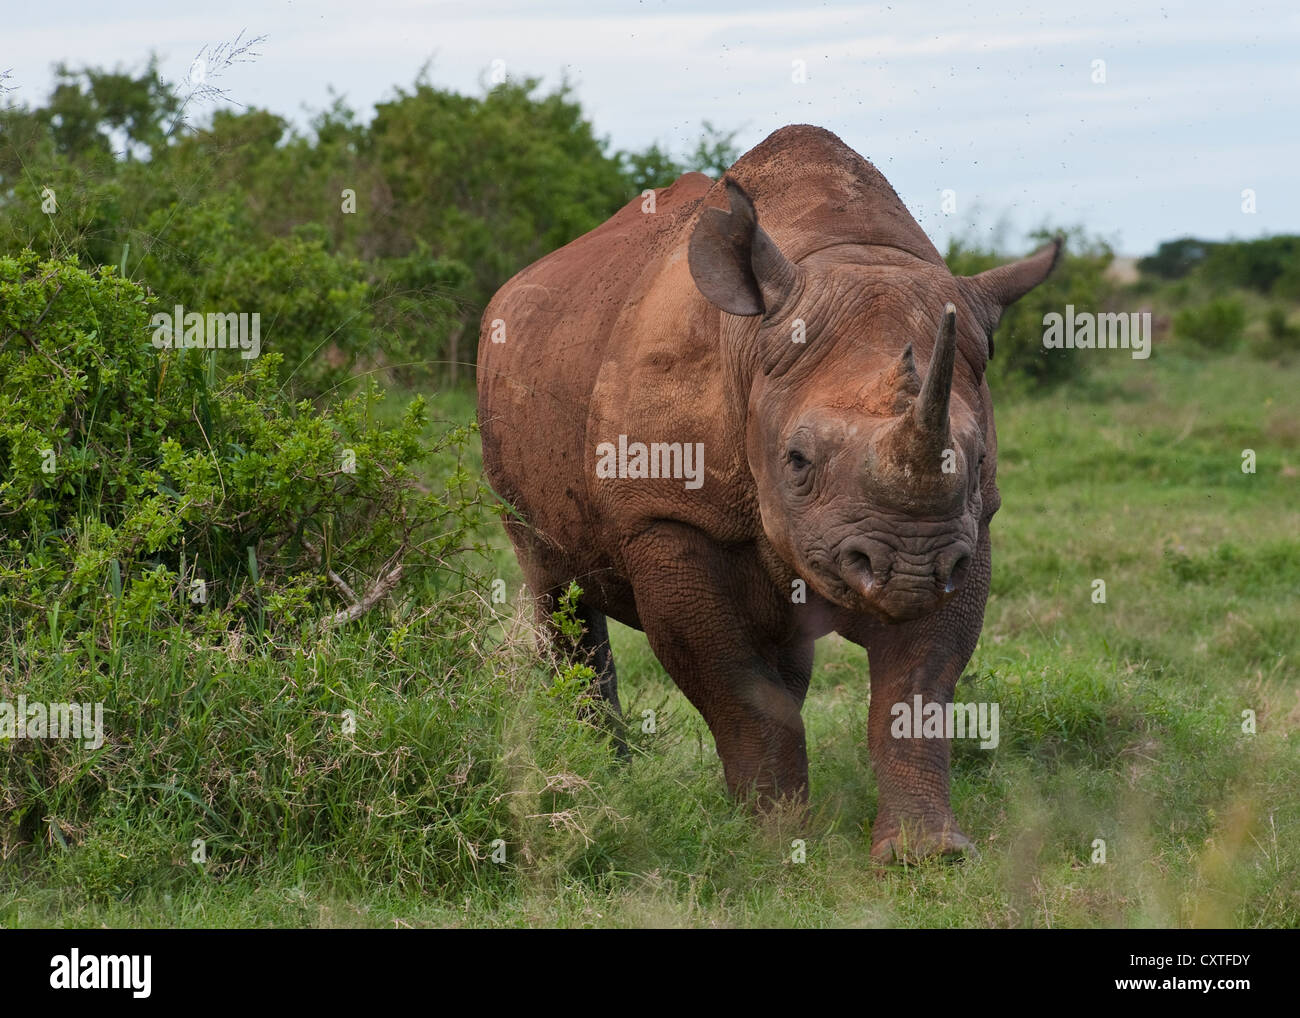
994,98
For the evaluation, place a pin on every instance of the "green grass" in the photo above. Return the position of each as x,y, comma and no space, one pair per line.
1120,721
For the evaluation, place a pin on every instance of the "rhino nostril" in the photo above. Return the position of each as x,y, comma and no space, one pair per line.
957,576
856,566
858,562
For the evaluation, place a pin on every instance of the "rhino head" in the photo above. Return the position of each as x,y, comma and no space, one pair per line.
873,474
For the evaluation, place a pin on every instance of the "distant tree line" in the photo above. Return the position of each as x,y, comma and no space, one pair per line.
1269,265
362,245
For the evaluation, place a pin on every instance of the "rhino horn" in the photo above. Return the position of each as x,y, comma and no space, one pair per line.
902,377
931,409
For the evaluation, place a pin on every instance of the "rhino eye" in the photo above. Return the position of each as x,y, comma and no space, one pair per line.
798,460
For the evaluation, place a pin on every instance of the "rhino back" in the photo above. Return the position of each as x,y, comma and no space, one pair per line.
813,192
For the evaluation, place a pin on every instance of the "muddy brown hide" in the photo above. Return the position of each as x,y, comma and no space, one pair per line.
794,325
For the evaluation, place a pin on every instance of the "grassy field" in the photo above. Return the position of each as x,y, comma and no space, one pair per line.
1120,722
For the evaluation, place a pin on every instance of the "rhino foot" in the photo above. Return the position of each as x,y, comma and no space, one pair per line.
918,843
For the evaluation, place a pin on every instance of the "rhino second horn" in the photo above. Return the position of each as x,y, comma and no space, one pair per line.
932,407
901,378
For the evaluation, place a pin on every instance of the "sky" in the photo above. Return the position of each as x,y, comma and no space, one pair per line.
1138,121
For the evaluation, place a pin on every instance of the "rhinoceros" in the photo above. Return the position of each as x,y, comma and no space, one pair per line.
743,414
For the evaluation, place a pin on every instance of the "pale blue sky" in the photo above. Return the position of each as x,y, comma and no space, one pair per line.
994,100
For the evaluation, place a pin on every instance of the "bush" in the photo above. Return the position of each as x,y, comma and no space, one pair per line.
393,760
1280,338
1217,325
397,749
314,305
1251,265
1021,361
1174,259
418,213
1287,284
416,315
142,488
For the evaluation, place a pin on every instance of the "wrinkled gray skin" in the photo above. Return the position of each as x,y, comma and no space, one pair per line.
845,489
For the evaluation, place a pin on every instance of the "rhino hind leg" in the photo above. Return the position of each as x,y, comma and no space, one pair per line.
592,649
546,575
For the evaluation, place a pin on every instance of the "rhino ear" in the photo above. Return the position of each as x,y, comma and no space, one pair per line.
735,264
992,292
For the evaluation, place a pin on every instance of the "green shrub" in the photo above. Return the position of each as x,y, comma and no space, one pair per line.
144,488
1280,339
417,314
314,305
418,214
1287,284
395,758
1174,259
1256,265
1217,325
398,748
1020,359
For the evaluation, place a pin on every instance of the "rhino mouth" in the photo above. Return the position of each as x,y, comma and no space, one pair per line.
896,585
895,602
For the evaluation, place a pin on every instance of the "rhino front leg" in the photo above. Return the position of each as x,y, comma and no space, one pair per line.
924,657
722,632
